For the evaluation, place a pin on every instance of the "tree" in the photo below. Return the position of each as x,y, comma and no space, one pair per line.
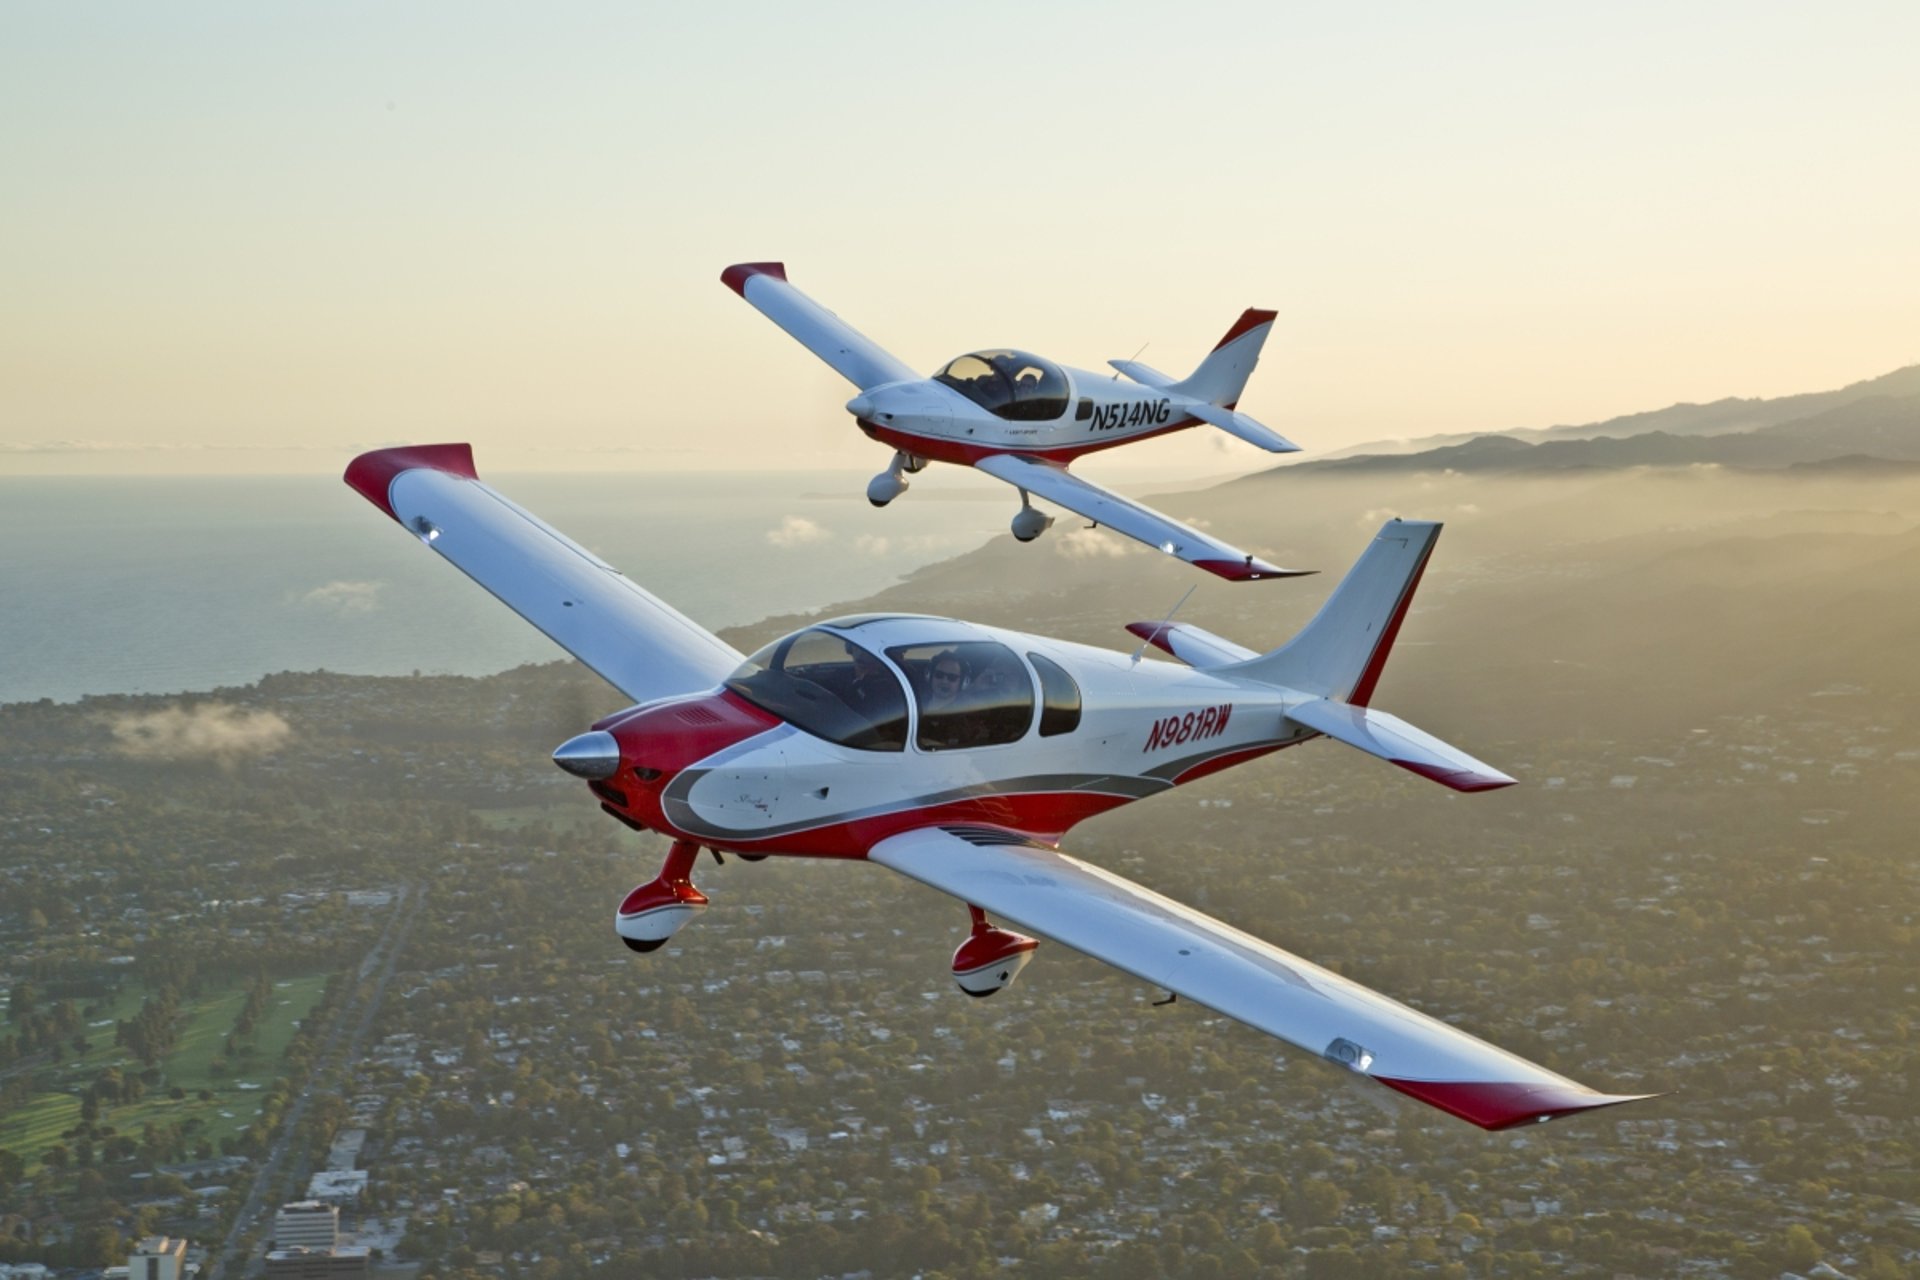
1798,1249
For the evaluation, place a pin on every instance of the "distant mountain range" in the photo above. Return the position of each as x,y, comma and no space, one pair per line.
1869,425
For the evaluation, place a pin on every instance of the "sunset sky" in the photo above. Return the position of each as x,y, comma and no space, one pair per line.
259,237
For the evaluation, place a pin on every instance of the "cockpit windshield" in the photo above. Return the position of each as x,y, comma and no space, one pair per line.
1011,384
829,687
973,693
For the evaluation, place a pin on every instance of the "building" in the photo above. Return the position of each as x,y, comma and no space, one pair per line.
336,1186
306,1224
158,1258
317,1264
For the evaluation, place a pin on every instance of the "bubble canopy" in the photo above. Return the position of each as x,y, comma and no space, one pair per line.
828,686
962,689
1015,385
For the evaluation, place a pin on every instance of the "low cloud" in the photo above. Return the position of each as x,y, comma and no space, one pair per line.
797,531
1094,544
347,599
870,544
211,732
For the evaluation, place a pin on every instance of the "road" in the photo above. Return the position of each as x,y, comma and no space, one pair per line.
343,1039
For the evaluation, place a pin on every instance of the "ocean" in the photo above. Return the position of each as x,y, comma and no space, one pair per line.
163,585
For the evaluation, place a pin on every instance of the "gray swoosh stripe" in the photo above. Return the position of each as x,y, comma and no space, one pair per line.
682,815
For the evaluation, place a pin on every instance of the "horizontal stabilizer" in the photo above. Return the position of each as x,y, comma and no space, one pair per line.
1397,742
1192,645
1240,425
1144,374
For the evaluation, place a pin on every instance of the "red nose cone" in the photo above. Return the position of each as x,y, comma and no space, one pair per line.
658,741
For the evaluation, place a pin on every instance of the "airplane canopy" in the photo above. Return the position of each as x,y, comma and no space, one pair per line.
967,690
1015,385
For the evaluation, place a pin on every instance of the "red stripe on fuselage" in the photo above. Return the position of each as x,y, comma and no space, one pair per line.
965,453
1044,815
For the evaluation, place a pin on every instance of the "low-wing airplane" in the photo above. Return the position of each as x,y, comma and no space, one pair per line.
1023,419
960,754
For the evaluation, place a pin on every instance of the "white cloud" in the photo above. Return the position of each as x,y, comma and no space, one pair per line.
870,544
1090,544
797,531
210,732
347,599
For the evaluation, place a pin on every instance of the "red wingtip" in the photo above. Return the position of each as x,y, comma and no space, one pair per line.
1249,320
371,474
736,276
1248,570
1458,779
1493,1105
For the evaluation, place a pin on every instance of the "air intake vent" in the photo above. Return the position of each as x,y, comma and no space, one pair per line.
697,715
988,837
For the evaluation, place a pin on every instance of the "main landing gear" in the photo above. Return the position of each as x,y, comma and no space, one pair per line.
992,957
892,482
1029,523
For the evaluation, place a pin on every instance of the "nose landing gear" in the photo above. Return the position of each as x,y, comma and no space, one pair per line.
664,905
892,482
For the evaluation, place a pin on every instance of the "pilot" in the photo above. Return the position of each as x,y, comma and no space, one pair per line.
942,726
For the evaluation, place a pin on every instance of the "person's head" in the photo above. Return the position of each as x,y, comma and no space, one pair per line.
945,674
865,665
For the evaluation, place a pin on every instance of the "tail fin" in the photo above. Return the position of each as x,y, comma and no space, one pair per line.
1340,653
1223,375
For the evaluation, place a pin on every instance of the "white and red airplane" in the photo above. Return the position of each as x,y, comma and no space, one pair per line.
1023,419
960,754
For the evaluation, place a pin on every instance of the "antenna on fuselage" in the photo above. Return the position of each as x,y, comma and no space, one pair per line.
1141,651
1133,357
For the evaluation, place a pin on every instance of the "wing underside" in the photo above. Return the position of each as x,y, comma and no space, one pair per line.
1123,515
637,642
851,354
1162,942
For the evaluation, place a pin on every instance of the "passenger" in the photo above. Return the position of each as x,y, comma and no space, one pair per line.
872,688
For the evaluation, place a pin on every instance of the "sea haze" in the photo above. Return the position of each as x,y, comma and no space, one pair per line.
123,585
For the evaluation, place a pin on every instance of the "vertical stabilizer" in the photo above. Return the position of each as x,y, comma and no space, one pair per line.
1223,375
1340,653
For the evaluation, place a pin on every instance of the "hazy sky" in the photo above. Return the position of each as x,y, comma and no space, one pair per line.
264,235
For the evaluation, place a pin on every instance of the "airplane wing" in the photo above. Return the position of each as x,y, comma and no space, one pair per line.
852,354
1169,945
641,645
1123,515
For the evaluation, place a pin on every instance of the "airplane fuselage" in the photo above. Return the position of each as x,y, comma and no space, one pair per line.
720,771
928,419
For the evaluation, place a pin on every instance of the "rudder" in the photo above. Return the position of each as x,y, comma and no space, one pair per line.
1342,651
1223,375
